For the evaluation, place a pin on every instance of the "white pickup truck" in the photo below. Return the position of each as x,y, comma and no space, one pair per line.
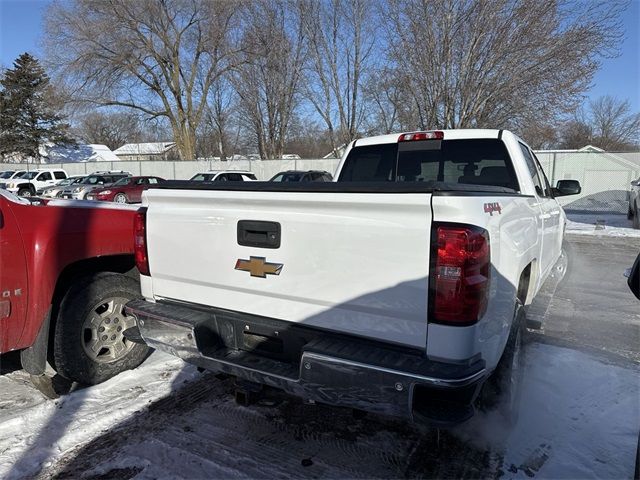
398,288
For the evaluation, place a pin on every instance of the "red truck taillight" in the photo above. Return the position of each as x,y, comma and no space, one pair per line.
140,241
459,284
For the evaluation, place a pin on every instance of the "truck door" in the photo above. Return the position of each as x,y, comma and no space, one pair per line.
13,279
551,209
549,216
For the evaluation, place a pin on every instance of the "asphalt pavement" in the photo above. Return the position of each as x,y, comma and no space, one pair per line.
593,310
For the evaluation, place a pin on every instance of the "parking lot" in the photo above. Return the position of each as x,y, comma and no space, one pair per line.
579,416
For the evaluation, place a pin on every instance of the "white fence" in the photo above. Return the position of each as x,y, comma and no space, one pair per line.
263,169
605,176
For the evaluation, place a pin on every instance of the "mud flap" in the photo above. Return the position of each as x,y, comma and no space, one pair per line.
34,358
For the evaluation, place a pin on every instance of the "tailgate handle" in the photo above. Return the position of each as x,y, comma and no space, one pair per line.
257,233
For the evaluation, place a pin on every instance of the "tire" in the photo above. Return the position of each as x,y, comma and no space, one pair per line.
502,390
564,266
24,192
88,344
121,198
636,218
629,212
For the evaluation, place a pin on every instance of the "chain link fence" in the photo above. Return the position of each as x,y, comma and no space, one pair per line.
605,176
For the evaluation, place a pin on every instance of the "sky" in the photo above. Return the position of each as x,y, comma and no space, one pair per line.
21,26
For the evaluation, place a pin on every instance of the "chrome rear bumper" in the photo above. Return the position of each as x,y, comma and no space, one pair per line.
329,368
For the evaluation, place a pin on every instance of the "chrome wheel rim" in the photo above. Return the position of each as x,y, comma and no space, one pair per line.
26,194
102,333
561,265
120,198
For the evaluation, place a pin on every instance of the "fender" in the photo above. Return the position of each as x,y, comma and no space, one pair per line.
56,236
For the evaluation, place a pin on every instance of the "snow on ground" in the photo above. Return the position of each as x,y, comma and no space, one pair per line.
579,419
606,224
35,431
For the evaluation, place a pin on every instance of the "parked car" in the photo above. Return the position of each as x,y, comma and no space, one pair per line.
64,285
29,182
96,180
52,192
634,203
302,176
7,175
399,288
125,190
224,176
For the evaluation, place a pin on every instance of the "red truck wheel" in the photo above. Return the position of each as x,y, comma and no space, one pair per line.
89,347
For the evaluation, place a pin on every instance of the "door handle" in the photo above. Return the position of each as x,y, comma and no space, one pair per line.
257,233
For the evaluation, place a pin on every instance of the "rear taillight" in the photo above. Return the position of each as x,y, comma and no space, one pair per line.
140,241
413,136
459,275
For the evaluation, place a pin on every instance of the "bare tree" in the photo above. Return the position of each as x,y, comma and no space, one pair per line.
607,123
268,82
497,63
112,129
159,58
614,126
341,38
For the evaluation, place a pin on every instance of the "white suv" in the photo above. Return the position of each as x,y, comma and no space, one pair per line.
30,182
7,175
224,176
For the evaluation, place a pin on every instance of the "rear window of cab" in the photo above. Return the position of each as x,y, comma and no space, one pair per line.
472,161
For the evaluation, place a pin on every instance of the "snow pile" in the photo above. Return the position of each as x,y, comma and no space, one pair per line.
610,225
35,431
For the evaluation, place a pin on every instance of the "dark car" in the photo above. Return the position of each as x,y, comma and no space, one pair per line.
125,190
302,176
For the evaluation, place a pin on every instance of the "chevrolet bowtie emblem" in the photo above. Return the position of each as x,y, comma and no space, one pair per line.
259,267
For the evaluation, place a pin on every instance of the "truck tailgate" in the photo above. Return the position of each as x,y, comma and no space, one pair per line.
350,263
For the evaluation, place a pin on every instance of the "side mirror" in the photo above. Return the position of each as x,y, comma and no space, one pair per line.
635,183
567,187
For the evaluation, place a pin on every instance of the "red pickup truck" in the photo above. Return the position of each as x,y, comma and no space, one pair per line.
63,287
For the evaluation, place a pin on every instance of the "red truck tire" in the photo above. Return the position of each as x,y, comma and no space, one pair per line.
88,344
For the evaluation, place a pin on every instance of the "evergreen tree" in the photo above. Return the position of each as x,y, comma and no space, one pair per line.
28,118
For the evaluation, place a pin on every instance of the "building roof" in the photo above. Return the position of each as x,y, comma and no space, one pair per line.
152,148
80,153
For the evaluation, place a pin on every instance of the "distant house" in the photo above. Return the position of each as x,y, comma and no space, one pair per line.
80,153
50,153
148,151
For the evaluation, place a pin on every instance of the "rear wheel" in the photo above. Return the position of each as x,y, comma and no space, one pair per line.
636,217
120,198
502,390
89,346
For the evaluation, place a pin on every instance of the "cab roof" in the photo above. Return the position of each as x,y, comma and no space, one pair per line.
452,134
